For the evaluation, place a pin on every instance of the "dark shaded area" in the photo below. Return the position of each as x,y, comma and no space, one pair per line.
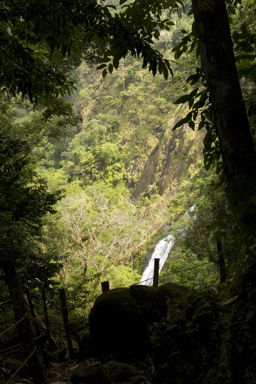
174,334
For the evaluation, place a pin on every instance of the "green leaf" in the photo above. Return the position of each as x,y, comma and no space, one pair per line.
101,66
186,98
160,67
201,125
191,124
145,63
156,34
116,62
181,122
104,73
165,72
182,99
191,102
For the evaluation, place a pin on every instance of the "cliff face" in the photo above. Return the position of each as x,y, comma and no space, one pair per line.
127,125
168,163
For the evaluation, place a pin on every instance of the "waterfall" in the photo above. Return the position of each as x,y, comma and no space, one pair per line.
161,252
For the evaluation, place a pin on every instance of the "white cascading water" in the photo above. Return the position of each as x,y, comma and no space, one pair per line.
161,252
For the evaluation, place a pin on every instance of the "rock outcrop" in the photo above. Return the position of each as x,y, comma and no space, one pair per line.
173,334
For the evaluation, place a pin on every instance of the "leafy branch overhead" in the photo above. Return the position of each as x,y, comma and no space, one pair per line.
42,41
201,115
135,28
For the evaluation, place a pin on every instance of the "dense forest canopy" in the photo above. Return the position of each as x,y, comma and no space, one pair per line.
116,118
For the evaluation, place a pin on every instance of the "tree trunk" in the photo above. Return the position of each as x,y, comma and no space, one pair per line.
21,311
232,126
221,262
46,316
64,310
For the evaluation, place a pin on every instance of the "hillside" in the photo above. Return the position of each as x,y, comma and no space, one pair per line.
118,163
125,123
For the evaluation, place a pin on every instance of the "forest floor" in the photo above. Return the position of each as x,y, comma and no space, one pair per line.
60,373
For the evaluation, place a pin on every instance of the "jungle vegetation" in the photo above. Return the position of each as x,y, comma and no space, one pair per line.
116,118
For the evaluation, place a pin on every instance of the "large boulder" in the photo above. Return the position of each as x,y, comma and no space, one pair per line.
120,318
116,324
143,296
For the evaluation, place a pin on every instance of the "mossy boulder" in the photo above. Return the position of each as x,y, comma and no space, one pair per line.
116,324
144,297
187,336
120,318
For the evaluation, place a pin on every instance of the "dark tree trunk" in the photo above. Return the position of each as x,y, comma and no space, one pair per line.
64,310
21,311
32,310
221,262
46,316
231,120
